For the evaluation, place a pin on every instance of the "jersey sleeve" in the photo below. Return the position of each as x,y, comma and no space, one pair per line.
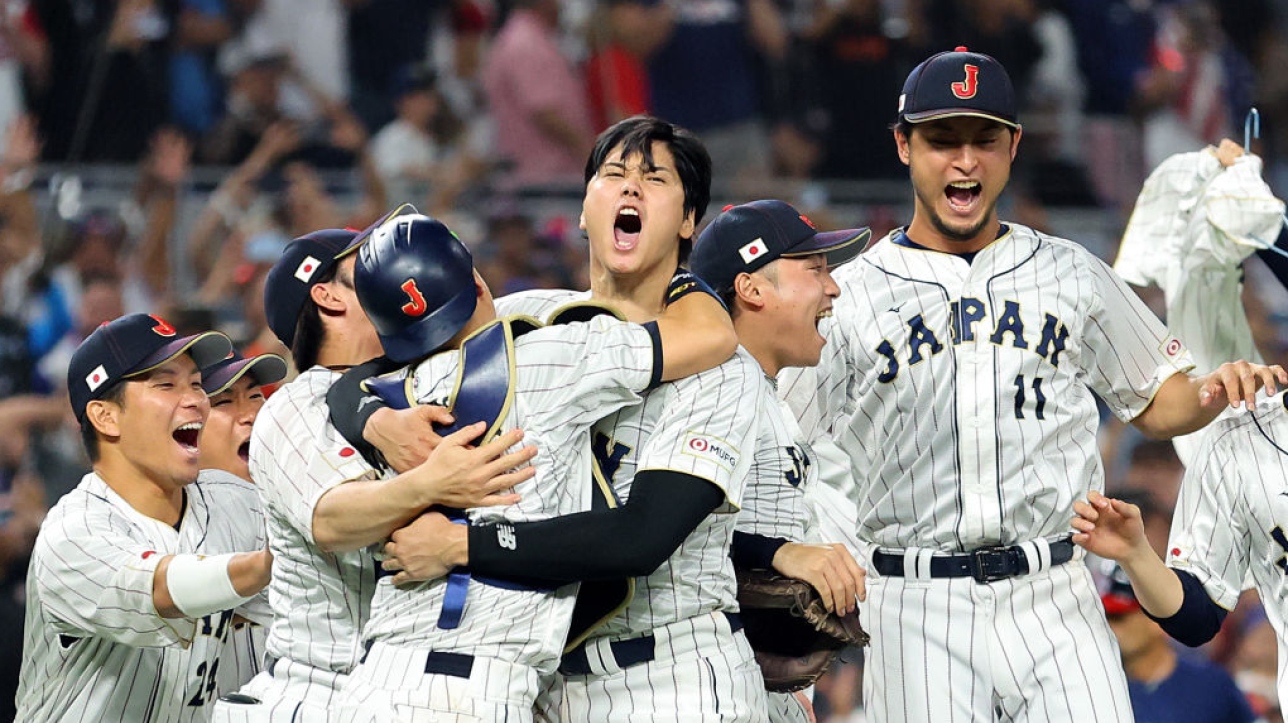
588,370
1209,537
709,427
303,465
94,580
1131,353
773,504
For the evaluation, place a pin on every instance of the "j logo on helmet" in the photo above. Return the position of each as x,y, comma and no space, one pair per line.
417,305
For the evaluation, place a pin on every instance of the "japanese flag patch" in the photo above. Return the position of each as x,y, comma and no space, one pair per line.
96,378
306,269
753,250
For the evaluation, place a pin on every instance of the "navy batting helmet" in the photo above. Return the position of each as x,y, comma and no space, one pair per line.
415,280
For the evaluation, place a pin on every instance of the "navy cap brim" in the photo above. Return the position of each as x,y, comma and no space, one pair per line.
931,115
839,246
263,369
206,349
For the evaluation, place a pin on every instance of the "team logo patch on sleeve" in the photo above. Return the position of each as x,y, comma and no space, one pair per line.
1172,347
710,448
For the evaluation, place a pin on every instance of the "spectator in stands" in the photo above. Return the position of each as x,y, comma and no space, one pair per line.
722,103
254,74
1163,686
859,69
537,99
106,92
201,27
1188,96
383,37
406,153
616,77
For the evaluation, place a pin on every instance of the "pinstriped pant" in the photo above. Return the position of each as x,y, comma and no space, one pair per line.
391,685
702,672
290,693
1031,648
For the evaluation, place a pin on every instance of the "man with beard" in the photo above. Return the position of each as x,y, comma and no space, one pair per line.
958,382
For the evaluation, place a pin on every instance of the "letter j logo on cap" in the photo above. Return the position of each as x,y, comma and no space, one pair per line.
966,88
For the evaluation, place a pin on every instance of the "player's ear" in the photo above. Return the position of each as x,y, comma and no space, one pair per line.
105,417
747,288
324,296
1015,141
901,143
687,228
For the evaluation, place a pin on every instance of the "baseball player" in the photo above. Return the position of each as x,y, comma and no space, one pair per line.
772,268
234,386
417,283
135,575
957,377
321,590
677,462
1227,530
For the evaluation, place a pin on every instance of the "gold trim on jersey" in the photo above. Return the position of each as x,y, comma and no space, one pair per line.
584,310
477,340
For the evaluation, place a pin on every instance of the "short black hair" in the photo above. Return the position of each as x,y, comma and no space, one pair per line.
635,135
89,435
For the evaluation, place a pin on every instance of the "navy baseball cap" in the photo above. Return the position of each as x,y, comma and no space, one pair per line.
745,238
413,77
958,83
303,262
1118,596
263,369
132,345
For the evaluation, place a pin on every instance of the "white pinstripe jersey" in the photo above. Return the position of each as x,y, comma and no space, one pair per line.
320,599
95,648
704,425
782,470
962,392
566,378
1230,528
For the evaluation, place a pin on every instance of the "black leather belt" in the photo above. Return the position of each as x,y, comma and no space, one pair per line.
626,653
457,665
985,564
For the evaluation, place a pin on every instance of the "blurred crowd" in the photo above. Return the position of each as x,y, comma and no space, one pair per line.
472,108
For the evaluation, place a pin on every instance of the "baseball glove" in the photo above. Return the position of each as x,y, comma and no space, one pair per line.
794,636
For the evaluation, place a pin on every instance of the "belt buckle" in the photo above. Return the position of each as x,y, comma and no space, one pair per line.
988,564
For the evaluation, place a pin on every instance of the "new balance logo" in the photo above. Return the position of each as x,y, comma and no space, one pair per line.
505,537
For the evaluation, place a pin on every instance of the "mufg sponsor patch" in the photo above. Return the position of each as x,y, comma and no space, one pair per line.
710,448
